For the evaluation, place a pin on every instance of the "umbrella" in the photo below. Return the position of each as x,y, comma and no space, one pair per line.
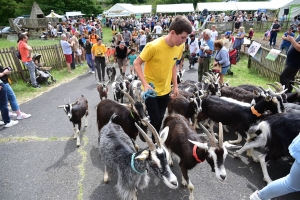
53,14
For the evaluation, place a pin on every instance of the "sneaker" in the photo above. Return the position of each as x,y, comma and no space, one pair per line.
11,114
11,123
93,72
24,116
90,71
36,86
1,123
255,196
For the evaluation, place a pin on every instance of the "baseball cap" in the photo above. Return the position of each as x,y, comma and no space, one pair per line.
227,33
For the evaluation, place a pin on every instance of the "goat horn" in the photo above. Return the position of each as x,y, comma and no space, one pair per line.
154,132
296,82
275,87
220,135
137,94
107,83
280,86
296,88
210,76
128,96
146,137
210,137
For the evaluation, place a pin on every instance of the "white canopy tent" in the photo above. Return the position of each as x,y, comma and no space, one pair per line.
124,9
227,6
175,8
53,14
294,9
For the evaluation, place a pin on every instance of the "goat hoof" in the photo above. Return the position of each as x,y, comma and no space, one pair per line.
105,179
236,154
268,180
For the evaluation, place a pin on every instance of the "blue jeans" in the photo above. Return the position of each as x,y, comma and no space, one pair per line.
90,61
3,104
11,98
31,68
282,186
273,36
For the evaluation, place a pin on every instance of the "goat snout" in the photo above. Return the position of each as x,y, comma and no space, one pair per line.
223,177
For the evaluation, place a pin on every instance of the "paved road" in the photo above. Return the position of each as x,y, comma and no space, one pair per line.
39,159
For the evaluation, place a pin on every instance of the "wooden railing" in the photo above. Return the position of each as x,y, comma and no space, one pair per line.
52,56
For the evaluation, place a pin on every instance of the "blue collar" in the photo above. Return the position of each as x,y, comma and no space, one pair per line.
132,165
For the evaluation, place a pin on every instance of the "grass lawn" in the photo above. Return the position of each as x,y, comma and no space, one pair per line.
242,75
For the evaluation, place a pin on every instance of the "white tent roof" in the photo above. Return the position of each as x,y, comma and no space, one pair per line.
53,14
125,9
224,6
175,8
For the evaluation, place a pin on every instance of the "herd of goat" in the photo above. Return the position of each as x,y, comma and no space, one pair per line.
268,119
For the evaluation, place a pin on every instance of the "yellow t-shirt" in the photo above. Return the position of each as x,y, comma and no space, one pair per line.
99,50
159,60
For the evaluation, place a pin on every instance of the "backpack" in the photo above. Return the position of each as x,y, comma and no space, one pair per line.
18,55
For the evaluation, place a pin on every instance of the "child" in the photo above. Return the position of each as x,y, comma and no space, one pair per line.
267,35
250,34
132,56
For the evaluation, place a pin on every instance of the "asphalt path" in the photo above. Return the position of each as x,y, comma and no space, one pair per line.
40,160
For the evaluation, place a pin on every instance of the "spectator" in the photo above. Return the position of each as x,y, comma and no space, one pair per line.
250,34
205,53
214,33
285,45
121,57
82,42
4,72
25,52
143,40
114,29
294,24
99,55
274,30
287,184
282,19
75,48
193,46
239,39
93,36
227,42
148,35
221,58
160,68
88,54
127,37
157,29
267,35
119,38
4,108
66,45
132,56
292,62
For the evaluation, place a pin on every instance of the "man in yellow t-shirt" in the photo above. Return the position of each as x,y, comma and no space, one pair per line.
160,57
99,55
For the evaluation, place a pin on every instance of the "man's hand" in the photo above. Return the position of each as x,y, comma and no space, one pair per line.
175,93
6,71
289,38
147,87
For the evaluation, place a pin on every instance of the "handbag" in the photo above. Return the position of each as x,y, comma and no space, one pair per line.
217,68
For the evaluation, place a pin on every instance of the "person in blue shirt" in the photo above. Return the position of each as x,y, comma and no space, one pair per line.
205,53
287,184
285,45
132,56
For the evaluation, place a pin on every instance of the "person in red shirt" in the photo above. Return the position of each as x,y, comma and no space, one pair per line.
25,52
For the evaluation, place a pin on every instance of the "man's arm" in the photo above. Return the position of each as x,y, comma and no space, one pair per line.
29,50
174,81
137,64
295,44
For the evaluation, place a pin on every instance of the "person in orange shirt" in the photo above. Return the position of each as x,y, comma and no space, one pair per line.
99,55
25,52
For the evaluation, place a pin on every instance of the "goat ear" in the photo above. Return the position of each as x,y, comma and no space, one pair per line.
230,146
143,155
199,144
164,134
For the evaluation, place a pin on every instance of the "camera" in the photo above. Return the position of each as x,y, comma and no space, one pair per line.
9,68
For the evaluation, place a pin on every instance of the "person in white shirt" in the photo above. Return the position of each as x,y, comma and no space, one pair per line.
226,18
196,24
193,46
157,29
214,33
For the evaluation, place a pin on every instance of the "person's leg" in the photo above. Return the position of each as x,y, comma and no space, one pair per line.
200,69
271,38
73,61
3,104
89,60
288,75
103,65
31,68
162,106
97,66
12,98
274,38
153,112
206,63
282,186
120,64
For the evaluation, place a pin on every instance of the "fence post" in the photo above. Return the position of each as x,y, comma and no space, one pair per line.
17,63
249,57
58,56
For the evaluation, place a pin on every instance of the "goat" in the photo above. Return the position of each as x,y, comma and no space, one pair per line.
238,117
180,76
292,108
127,116
111,73
274,134
75,111
103,90
135,90
118,154
187,144
117,87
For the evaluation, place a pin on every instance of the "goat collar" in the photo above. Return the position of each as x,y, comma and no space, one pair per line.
132,165
131,114
254,112
195,154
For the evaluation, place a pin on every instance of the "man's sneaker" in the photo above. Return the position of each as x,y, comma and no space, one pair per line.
24,116
11,123
90,71
11,114
255,196
93,72
1,123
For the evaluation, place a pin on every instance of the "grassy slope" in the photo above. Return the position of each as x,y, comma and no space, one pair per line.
242,75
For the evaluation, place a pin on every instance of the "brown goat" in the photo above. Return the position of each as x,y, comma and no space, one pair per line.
103,90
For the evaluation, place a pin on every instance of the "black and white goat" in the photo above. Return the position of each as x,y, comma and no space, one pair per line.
118,154
273,135
103,90
135,90
117,87
111,72
75,111
237,116
127,116
184,141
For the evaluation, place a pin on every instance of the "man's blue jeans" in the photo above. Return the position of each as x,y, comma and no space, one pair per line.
11,98
31,68
90,61
273,36
3,104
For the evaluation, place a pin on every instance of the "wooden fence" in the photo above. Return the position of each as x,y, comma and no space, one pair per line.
52,56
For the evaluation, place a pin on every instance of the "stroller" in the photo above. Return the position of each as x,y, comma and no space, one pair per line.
233,55
42,72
